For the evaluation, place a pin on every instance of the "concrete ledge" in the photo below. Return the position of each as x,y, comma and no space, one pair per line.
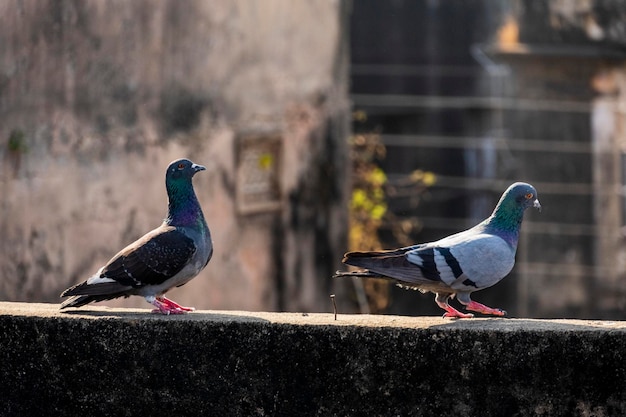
124,362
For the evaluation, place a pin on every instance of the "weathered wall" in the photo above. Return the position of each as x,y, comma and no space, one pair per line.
97,98
127,362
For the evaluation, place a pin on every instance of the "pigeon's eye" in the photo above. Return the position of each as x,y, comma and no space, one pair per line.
529,196
181,165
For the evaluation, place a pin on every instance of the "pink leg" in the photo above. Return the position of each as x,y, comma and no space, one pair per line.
166,306
451,312
481,308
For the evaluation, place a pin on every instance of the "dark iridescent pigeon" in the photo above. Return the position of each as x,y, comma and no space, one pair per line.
459,264
167,257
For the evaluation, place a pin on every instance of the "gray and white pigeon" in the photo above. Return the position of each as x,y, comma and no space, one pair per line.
459,264
167,257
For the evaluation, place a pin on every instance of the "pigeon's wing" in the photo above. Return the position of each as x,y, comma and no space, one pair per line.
380,253
151,260
463,262
394,261
483,259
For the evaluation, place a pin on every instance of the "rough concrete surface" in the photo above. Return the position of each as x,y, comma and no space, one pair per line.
101,361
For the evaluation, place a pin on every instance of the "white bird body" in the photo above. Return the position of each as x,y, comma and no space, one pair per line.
459,264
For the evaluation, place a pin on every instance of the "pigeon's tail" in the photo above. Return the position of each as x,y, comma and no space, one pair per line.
85,293
81,300
392,265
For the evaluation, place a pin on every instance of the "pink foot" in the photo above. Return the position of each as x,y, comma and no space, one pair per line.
483,309
451,312
173,304
167,307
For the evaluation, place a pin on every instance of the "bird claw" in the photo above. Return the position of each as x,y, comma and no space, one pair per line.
453,313
457,315
483,309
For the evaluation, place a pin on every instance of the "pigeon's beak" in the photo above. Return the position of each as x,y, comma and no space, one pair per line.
537,205
197,167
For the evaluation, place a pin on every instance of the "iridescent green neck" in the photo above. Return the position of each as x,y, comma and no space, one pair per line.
505,220
183,208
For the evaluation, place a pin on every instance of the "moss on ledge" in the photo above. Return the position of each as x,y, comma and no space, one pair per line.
101,361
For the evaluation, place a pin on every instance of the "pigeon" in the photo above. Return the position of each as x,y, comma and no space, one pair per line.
167,257
459,264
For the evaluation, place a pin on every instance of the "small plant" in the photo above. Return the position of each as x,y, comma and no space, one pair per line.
369,209
16,148
17,142
368,205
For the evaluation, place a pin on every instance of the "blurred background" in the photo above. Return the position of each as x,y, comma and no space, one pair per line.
325,126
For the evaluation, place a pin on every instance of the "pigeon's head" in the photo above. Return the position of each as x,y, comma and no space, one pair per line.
183,204
182,169
178,179
509,212
521,195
